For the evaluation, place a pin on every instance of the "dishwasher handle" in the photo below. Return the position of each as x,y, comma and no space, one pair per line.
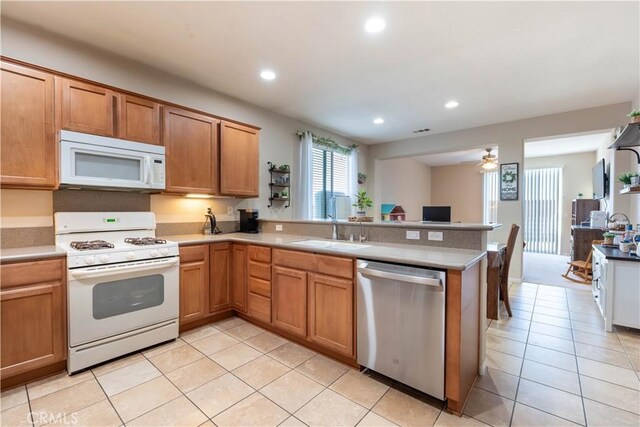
427,281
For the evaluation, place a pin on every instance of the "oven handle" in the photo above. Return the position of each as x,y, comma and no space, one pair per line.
109,270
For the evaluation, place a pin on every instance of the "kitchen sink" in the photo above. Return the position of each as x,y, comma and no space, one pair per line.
330,244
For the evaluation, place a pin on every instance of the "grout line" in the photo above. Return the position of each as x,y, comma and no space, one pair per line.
108,398
584,410
26,390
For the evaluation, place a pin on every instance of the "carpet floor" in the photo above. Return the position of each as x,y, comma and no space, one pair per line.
547,269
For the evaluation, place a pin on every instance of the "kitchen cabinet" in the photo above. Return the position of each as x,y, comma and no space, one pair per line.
191,143
239,276
87,108
331,312
239,158
27,134
259,283
194,282
139,120
219,277
33,311
289,300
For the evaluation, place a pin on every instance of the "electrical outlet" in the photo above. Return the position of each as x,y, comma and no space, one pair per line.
278,227
435,235
229,210
413,235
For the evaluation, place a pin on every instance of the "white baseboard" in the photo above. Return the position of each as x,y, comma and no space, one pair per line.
515,280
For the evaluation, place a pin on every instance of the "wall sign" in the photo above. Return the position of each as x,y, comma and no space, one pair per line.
509,181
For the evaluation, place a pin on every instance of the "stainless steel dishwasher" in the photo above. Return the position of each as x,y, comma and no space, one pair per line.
401,314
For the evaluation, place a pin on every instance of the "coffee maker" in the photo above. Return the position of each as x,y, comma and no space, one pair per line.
248,220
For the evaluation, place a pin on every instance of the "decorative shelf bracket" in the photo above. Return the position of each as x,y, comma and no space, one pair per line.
632,150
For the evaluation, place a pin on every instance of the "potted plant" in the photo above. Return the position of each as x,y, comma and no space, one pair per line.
362,203
362,178
627,177
635,116
284,168
608,238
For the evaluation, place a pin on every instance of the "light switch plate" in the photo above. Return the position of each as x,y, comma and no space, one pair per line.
413,235
435,235
278,227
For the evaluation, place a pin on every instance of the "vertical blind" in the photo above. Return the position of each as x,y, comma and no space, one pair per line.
542,198
330,178
490,191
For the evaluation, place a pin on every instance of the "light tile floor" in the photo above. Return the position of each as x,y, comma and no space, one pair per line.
551,364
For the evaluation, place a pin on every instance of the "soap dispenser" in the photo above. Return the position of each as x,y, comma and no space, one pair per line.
210,223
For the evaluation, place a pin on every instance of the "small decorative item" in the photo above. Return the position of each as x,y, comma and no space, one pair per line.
362,203
284,194
579,195
362,178
635,116
509,181
628,178
276,195
608,238
635,180
284,168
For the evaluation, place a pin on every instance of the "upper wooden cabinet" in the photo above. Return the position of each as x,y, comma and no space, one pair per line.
239,157
219,277
139,120
191,142
87,108
27,140
33,307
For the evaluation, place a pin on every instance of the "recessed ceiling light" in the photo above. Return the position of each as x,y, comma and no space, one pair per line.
451,104
268,74
374,25
378,120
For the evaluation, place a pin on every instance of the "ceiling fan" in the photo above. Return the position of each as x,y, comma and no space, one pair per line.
489,161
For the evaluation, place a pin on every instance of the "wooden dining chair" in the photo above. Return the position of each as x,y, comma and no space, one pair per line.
580,268
504,272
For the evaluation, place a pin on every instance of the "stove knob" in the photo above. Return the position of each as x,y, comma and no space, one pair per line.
89,260
153,253
164,252
104,258
130,255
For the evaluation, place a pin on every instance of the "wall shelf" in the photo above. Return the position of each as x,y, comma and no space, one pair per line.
280,180
630,137
634,189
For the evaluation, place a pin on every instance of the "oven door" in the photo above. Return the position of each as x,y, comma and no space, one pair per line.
105,301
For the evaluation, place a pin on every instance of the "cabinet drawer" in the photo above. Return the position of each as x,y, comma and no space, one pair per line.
192,253
30,273
260,287
259,253
259,270
326,264
260,307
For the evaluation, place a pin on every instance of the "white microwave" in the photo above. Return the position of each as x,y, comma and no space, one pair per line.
91,161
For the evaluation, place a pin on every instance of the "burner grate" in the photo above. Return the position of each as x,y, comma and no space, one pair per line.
144,241
88,245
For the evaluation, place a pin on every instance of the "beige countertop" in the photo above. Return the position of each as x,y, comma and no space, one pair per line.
471,226
427,256
31,252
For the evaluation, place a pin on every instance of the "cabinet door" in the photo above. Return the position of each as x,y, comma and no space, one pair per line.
289,300
331,313
239,157
139,120
27,133
219,277
194,283
33,323
191,142
87,108
239,277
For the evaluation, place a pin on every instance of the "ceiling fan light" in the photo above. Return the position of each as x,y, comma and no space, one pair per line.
489,165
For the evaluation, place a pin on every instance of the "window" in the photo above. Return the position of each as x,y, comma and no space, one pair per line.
330,178
490,191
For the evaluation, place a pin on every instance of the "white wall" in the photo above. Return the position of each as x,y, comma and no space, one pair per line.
509,137
576,178
278,141
405,182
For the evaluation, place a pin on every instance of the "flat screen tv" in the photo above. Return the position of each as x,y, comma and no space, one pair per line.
436,213
599,180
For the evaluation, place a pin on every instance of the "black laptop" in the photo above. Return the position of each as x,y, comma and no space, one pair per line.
436,213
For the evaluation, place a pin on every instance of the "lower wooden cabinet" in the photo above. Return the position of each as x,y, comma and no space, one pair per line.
194,282
331,312
239,276
219,277
289,300
33,319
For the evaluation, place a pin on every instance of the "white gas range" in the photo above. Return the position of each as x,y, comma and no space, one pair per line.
123,284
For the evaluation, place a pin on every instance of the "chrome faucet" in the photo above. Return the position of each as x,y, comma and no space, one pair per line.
334,227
